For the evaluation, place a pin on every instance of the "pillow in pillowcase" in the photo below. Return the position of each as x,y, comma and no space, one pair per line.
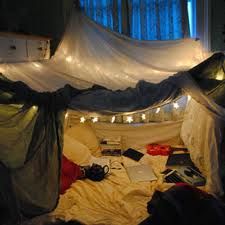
76,152
85,134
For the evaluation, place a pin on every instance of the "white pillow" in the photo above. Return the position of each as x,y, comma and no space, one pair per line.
84,134
76,151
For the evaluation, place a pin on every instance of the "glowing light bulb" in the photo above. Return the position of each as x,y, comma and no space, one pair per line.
82,119
157,110
37,65
129,119
97,68
113,119
34,107
67,114
220,76
188,98
2,70
69,59
176,105
95,119
155,71
143,116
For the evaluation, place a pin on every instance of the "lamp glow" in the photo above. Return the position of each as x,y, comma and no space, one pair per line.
113,119
69,59
176,105
37,65
82,119
34,107
95,120
143,116
188,98
2,70
157,110
66,115
129,119
220,76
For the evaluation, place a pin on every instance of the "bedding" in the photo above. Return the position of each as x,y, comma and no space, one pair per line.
75,151
115,200
84,133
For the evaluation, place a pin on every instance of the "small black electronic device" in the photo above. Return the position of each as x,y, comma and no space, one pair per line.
133,154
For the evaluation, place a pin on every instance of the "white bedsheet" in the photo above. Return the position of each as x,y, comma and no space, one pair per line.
113,201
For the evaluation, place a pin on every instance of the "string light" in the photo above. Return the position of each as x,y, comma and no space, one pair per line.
143,116
37,65
113,119
176,105
129,119
220,75
95,119
157,110
97,68
69,59
2,70
82,119
188,98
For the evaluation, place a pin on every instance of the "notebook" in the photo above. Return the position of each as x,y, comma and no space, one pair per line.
141,173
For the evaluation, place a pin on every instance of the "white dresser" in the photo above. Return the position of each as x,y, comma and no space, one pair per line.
16,47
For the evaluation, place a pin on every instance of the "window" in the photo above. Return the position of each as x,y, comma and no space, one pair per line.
191,5
146,19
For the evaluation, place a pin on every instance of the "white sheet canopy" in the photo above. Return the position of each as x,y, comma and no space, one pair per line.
90,54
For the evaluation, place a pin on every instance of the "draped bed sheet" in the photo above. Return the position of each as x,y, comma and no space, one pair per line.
115,200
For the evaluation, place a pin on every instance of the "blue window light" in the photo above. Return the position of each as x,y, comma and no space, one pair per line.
149,19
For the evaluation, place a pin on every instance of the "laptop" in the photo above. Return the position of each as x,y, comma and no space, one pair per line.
141,173
177,160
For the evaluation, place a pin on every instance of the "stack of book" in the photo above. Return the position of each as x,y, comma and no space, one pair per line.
111,146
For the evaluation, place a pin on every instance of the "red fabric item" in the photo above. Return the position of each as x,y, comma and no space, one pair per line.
157,149
70,172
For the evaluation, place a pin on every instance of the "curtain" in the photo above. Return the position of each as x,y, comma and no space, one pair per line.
158,19
141,19
105,12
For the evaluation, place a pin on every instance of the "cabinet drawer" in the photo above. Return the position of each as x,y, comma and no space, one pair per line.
38,50
12,50
21,48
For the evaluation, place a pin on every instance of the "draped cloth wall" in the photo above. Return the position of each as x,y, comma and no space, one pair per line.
32,171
